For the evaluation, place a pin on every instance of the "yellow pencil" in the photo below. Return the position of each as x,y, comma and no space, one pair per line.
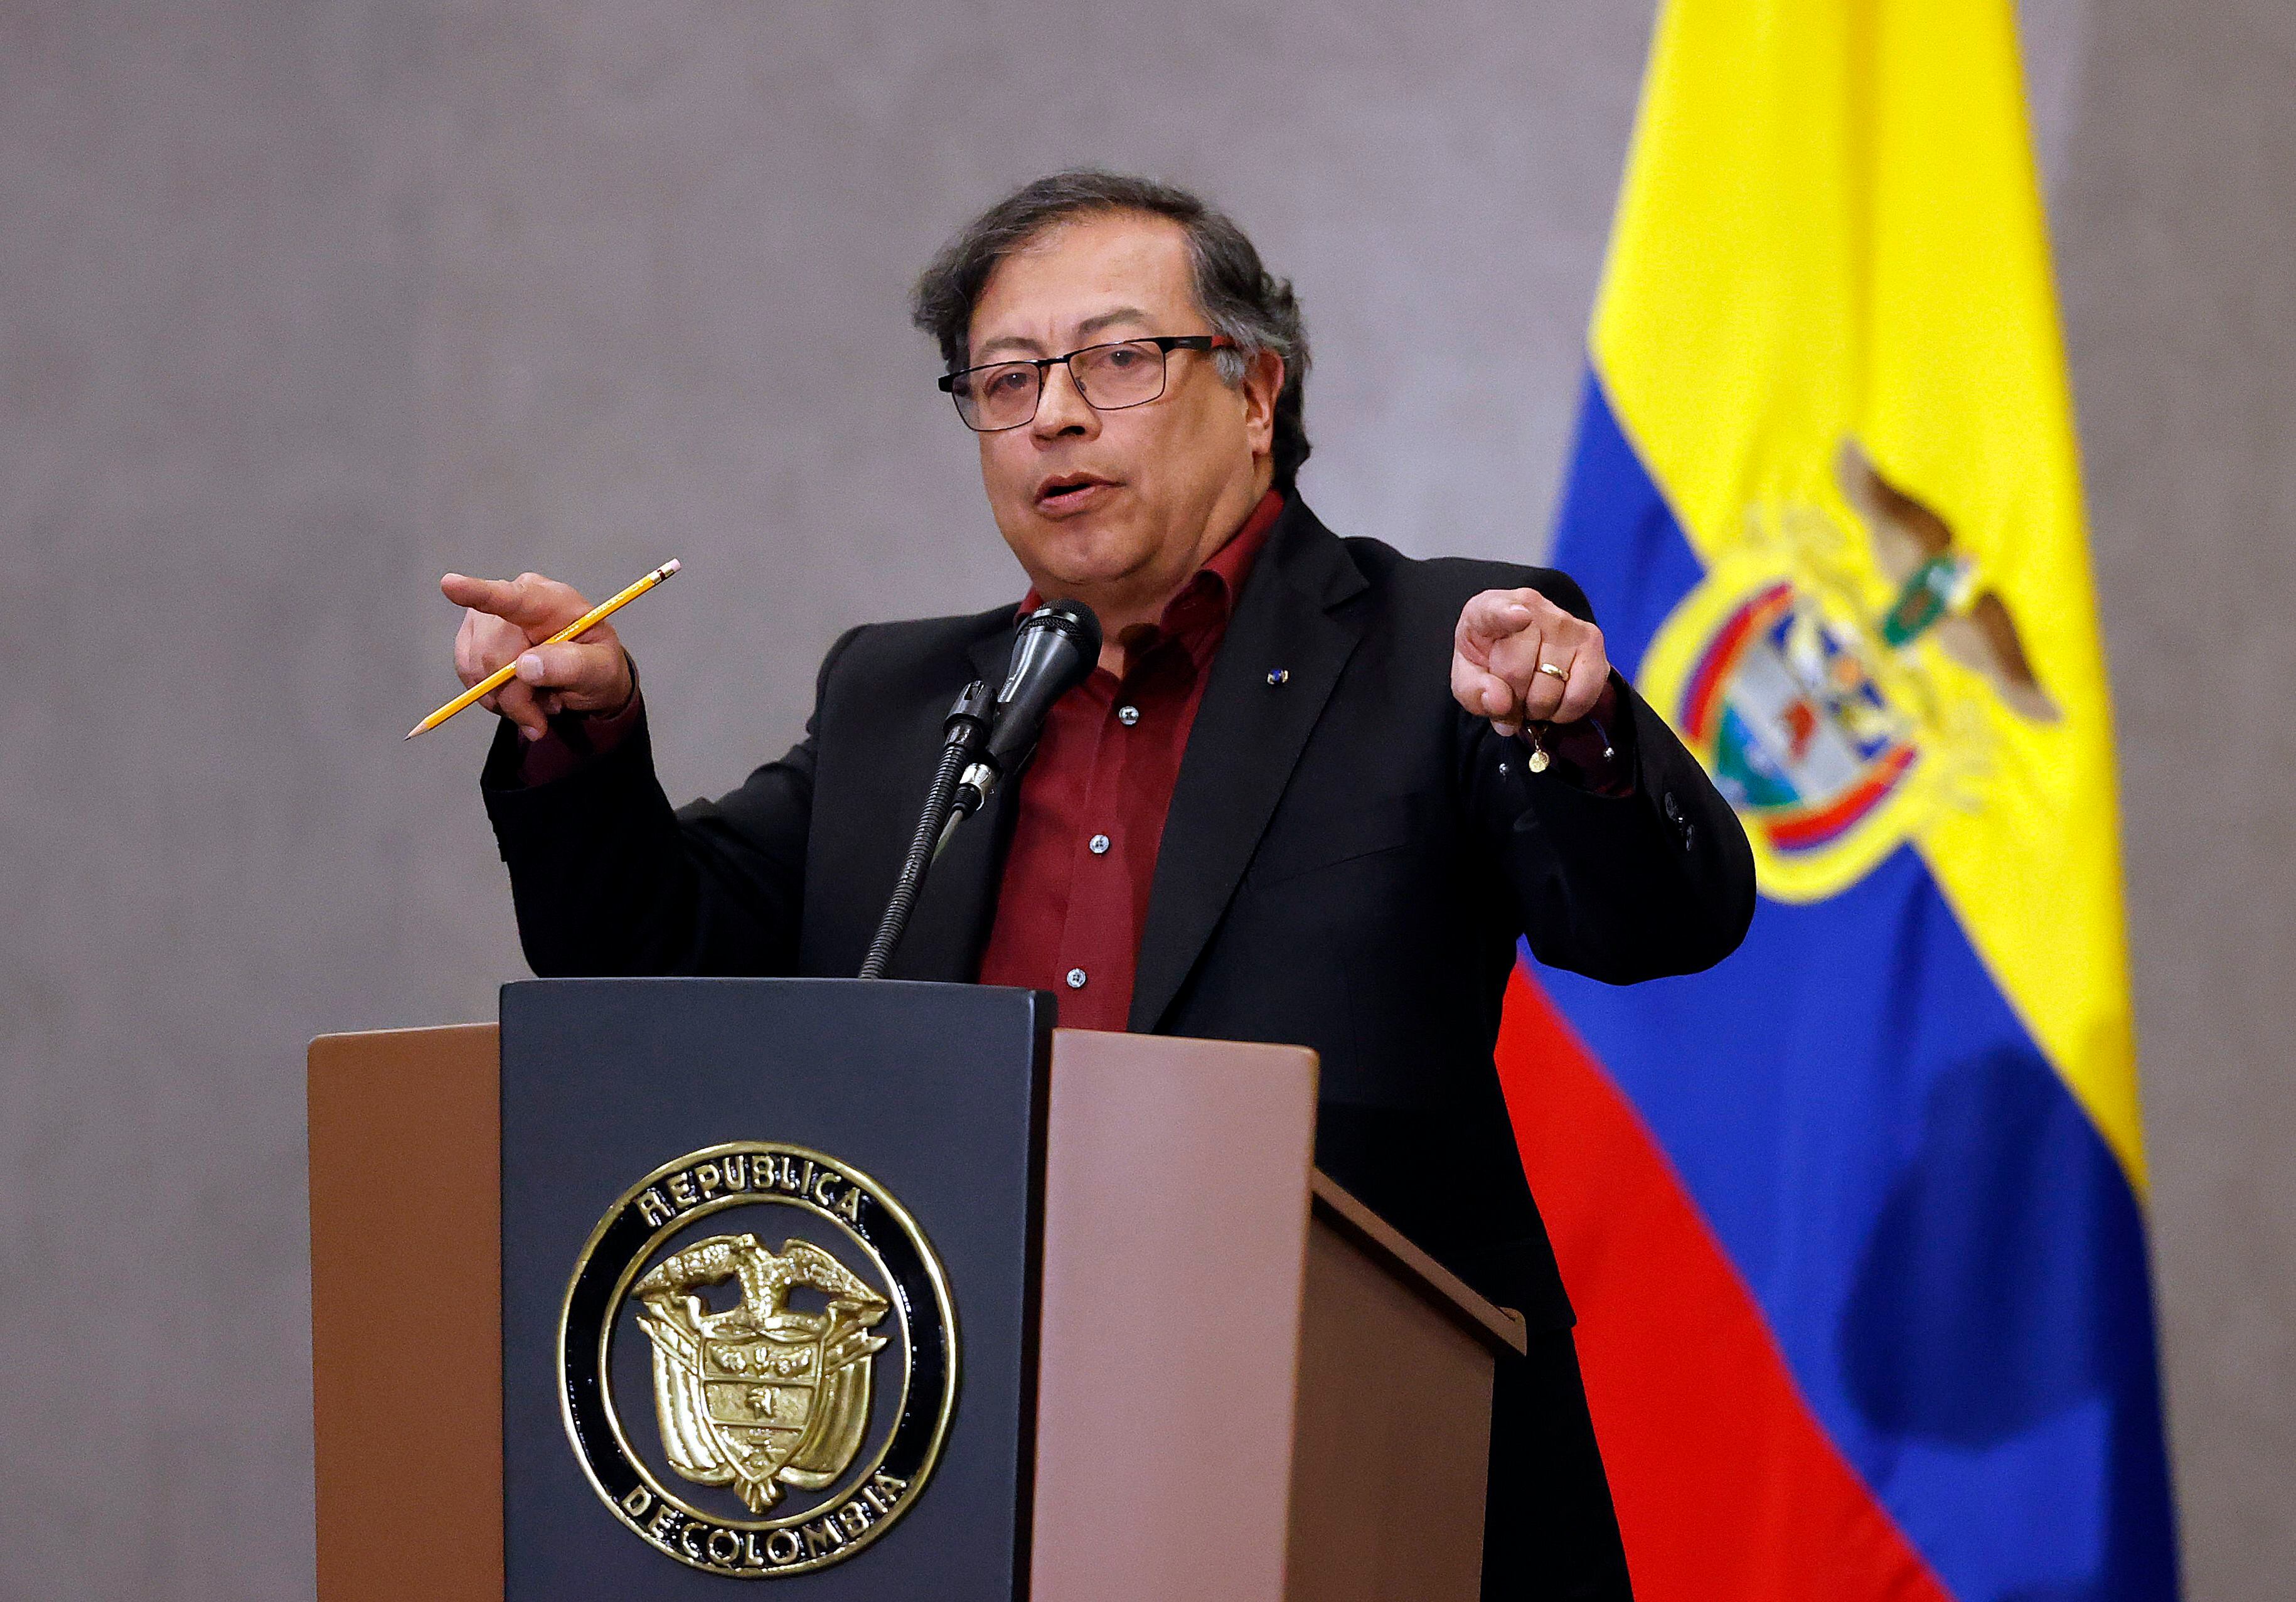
581,626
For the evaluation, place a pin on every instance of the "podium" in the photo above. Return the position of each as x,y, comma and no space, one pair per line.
867,1290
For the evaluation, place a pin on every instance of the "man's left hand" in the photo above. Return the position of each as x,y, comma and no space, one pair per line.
1518,658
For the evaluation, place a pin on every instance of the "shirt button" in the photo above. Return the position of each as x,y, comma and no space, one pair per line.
1099,843
1127,715
1076,979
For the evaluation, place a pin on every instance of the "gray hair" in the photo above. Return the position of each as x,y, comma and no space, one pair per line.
1239,297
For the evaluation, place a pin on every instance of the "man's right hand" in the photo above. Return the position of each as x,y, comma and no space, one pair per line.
505,619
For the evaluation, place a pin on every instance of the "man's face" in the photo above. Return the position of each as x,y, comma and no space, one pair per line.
1118,508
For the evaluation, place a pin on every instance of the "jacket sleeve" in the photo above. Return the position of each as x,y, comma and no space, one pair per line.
609,881
1617,888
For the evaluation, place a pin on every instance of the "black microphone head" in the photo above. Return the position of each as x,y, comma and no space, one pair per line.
1053,630
1056,650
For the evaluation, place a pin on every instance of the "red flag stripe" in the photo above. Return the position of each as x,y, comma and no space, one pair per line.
1726,1484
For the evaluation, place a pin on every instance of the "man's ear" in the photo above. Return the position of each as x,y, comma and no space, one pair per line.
1263,382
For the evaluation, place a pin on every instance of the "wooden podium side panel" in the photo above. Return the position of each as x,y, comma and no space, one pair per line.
406,1314
1176,1224
1390,1464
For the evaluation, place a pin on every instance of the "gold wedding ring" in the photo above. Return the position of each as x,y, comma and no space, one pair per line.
1560,673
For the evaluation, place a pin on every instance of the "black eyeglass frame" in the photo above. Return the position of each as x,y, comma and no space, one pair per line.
1165,343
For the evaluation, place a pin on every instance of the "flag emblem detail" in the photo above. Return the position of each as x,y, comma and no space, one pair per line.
1833,677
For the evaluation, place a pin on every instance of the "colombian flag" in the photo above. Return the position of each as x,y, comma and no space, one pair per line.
1855,1223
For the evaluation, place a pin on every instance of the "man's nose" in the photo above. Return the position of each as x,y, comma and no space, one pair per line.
1063,405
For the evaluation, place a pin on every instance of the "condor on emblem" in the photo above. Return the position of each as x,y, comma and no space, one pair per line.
754,1408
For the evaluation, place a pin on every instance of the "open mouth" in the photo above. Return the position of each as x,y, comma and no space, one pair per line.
1070,491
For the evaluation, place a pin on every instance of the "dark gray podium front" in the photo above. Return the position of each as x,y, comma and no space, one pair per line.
769,1111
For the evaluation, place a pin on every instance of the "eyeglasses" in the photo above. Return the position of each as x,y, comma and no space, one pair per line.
1002,395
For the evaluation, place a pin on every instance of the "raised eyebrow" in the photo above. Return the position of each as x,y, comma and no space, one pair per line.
1091,325
1122,313
1011,341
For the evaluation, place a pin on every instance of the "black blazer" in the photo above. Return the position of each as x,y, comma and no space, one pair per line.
1347,863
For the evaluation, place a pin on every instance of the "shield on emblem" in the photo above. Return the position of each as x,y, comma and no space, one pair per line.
759,1396
1805,741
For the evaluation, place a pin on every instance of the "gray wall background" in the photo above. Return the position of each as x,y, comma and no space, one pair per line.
301,304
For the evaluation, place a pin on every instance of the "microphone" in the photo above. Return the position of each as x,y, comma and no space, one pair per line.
1056,650
987,741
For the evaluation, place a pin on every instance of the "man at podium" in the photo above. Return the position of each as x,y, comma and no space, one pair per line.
1314,792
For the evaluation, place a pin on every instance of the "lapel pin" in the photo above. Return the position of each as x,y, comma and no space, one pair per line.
1276,676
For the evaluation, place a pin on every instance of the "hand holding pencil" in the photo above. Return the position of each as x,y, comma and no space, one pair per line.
528,633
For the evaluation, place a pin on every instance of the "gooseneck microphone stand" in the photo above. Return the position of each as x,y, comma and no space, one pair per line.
966,732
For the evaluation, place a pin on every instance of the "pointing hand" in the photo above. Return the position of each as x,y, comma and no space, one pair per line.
1518,658
505,619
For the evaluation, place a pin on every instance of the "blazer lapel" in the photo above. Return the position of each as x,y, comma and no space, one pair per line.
1248,737
950,926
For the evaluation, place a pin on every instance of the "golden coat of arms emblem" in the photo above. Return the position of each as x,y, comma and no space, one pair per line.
758,1396
800,1394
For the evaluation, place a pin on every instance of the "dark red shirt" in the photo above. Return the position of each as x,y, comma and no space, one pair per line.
1074,897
